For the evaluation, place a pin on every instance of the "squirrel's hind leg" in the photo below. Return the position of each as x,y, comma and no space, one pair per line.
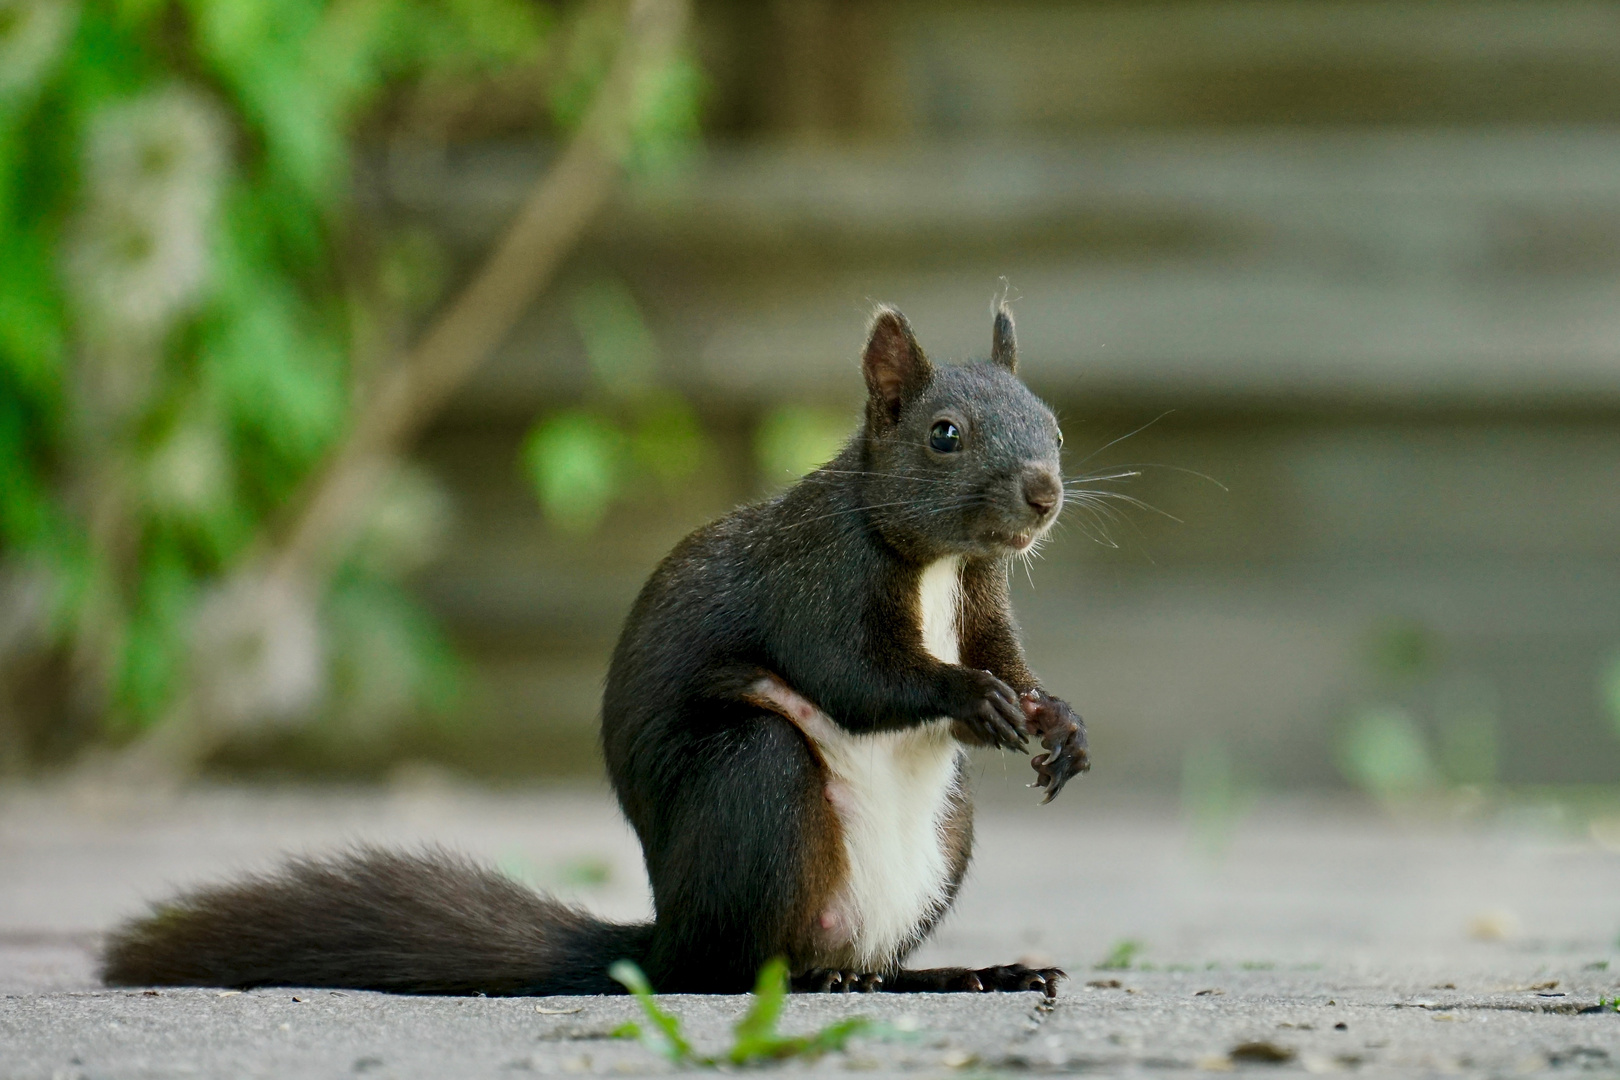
748,859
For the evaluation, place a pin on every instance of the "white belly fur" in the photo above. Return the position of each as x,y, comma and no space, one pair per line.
891,791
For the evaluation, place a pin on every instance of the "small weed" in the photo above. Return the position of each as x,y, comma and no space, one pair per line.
589,871
756,1037
1121,956
1611,1004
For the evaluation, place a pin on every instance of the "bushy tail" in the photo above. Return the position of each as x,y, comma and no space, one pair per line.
429,923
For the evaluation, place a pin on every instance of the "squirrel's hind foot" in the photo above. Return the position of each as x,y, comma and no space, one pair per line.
1007,978
833,981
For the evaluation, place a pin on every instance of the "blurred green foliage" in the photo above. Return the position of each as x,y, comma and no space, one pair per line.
1468,736
630,436
1427,729
190,303
1402,650
1214,797
794,439
1121,955
1608,688
1382,752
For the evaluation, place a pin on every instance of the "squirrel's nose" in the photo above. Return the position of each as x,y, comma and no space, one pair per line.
1041,490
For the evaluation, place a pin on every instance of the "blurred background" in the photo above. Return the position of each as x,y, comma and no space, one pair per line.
1331,288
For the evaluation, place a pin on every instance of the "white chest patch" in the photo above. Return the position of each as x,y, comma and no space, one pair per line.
891,792
940,601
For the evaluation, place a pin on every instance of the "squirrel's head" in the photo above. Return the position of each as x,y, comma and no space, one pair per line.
960,459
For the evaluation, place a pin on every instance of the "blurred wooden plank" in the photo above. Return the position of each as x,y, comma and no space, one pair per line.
1379,266
1071,66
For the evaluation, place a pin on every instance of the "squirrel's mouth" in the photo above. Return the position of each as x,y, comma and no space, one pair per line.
1014,542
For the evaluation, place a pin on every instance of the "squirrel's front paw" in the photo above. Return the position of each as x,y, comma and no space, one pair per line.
1063,734
990,713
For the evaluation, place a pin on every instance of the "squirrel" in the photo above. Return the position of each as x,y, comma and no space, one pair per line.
783,723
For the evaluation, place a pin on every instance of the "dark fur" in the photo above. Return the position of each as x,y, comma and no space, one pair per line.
817,587
373,920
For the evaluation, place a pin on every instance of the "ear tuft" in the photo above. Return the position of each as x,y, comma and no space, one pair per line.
1003,345
893,363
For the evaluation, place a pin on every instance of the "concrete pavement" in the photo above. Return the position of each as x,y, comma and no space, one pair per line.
1476,946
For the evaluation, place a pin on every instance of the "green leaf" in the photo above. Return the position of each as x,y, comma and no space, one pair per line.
25,508
1609,690
756,1031
575,461
794,439
1403,650
835,1037
262,350
32,336
1470,746
32,36
388,658
622,352
668,1039
1121,956
1382,752
154,650
587,54
668,113
667,440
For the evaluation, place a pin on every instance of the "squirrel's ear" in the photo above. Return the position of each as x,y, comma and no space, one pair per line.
893,363
1003,346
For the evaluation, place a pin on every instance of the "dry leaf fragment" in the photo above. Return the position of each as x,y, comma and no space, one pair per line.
1262,1051
558,1012
1494,924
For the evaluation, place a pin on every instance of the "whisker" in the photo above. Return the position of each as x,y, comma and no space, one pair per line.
1129,500
1100,510
1100,478
1174,468
1127,435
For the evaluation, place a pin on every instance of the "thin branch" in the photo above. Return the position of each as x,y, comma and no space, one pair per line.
333,507
548,225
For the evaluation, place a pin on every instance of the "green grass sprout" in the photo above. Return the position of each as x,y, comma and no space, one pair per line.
1121,956
756,1039
665,1039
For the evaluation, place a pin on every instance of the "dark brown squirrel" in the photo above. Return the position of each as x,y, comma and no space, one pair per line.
783,724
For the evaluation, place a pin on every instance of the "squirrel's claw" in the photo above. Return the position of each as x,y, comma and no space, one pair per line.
833,981
1063,734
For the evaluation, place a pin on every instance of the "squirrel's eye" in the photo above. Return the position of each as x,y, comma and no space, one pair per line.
1060,438
945,437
